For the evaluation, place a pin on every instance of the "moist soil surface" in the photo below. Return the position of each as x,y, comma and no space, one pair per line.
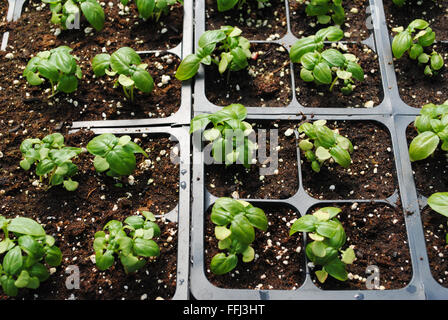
356,20
435,12
3,12
378,233
236,180
364,93
267,23
122,28
265,83
74,217
371,175
279,258
415,88
430,174
435,229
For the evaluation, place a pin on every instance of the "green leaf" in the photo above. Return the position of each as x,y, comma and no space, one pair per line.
125,81
318,248
436,62
325,136
224,210
301,47
222,264
322,154
13,261
225,5
102,144
8,286
67,83
122,59
401,43
146,248
145,8
31,246
53,256
211,37
242,229
257,218
188,67
104,262
121,161
93,13
415,51
131,263
336,269
23,279
439,203
341,156
423,146
348,256
26,226
327,228
100,63
70,185
306,223
248,254
5,245
321,275
221,232
143,80
334,58
40,271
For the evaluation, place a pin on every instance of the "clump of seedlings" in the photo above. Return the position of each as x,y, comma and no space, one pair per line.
235,222
231,137
58,66
432,128
415,44
323,144
66,13
328,237
131,242
439,203
224,47
114,155
325,11
25,248
326,67
153,9
226,5
128,65
53,160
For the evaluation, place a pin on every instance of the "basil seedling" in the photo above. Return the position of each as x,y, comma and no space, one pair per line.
226,5
325,11
399,3
52,158
329,237
326,67
439,203
229,135
406,41
153,9
114,155
56,65
432,127
131,71
25,248
233,52
325,144
131,242
235,221
66,12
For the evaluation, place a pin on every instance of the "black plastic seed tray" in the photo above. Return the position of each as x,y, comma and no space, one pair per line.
181,214
183,114
202,288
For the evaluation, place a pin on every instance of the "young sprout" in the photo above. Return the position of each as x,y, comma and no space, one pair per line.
329,237
325,11
323,144
235,221
432,128
226,5
233,50
52,158
25,249
114,155
439,203
229,135
153,9
326,67
131,71
132,242
66,13
406,41
58,66
399,3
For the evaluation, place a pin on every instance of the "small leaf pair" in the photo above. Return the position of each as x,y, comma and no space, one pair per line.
329,237
326,10
324,144
235,222
226,5
153,9
128,65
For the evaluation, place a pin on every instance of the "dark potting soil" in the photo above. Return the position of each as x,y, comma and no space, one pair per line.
265,83
435,12
430,174
378,233
122,28
74,217
364,93
246,183
415,88
435,229
356,23
3,12
268,22
279,259
371,175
